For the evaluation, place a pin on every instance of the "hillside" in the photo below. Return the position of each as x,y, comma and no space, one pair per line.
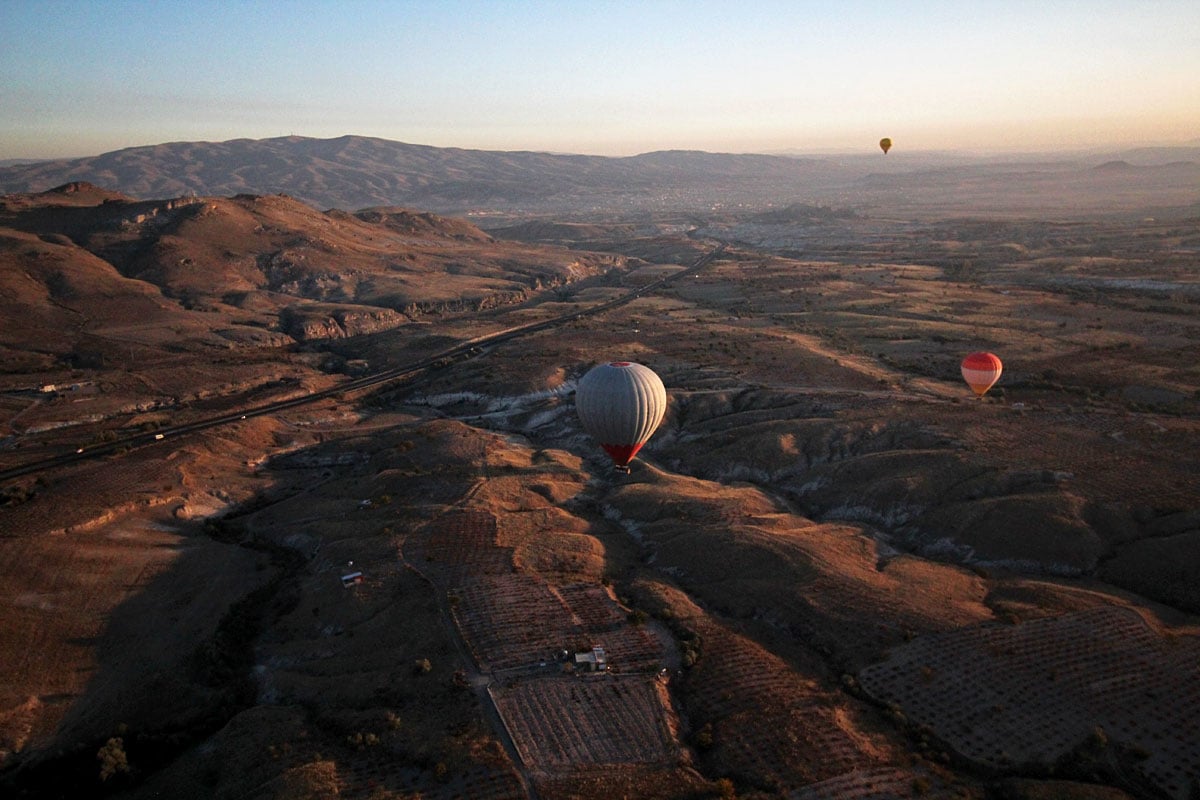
100,281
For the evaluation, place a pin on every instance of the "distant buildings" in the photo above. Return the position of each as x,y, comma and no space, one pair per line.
593,661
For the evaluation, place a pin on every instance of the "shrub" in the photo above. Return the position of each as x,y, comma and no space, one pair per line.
112,758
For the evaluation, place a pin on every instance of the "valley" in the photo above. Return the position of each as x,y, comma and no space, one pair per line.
832,572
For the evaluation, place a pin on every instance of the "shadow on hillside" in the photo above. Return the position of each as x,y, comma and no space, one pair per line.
172,664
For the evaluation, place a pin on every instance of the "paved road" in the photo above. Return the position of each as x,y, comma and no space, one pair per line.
469,349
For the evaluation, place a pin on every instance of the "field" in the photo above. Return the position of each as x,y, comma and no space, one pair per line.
563,723
1032,693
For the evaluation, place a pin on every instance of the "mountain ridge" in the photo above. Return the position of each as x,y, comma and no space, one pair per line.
354,172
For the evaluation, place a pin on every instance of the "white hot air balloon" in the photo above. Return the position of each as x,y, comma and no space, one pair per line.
620,404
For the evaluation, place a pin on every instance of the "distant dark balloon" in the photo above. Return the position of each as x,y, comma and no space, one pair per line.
620,404
981,371
885,144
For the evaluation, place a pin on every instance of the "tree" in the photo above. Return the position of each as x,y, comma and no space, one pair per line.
112,758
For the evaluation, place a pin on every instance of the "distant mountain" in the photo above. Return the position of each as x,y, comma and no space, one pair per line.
1157,156
12,162
353,172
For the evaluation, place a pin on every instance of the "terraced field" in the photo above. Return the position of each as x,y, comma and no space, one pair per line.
1002,695
570,722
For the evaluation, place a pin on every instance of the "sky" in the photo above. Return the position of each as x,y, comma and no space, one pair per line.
84,77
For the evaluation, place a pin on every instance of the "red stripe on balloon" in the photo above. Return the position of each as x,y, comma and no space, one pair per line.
985,362
621,454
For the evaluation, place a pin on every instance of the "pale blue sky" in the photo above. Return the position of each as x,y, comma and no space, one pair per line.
609,78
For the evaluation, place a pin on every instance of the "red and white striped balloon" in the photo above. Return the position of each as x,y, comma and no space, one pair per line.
981,371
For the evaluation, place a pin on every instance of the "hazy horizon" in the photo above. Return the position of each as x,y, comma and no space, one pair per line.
612,79
966,154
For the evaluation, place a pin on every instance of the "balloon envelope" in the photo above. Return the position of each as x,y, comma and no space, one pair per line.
980,371
885,144
620,404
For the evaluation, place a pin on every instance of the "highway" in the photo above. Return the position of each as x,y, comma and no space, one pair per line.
464,350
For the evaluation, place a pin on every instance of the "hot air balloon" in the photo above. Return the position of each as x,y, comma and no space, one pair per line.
620,404
980,371
885,144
